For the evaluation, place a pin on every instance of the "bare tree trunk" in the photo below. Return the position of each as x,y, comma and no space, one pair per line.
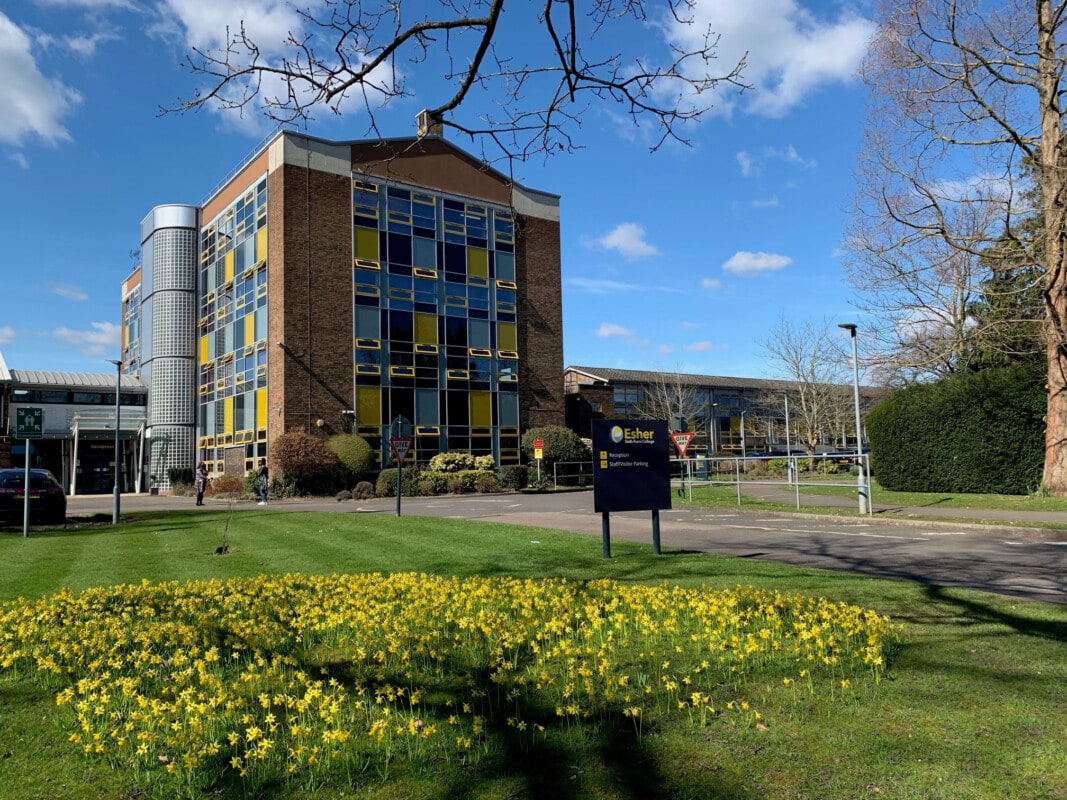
1055,202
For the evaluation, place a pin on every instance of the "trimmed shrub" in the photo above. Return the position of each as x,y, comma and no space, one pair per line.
343,495
485,463
180,476
978,432
306,463
410,477
486,483
514,476
451,462
364,490
227,484
355,455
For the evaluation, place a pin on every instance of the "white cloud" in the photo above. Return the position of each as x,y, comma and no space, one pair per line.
770,202
699,347
20,159
628,240
7,334
33,104
691,326
104,338
665,350
88,5
711,284
790,155
601,286
608,329
746,263
789,52
70,291
746,163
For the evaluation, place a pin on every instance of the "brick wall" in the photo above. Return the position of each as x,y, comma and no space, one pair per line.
540,305
309,262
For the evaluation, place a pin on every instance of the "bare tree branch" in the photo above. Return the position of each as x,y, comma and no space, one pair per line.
355,55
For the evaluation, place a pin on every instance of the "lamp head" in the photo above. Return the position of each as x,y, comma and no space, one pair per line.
848,326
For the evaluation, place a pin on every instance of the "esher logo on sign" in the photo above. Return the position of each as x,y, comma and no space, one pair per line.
631,465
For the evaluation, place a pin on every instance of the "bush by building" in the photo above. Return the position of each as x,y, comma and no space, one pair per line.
355,456
180,476
306,464
560,444
978,432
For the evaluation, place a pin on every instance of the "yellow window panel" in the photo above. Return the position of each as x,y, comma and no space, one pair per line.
458,375
203,349
510,355
479,352
364,186
422,272
506,285
402,372
426,328
227,415
366,263
476,211
367,243
250,333
261,409
426,349
400,216
229,266
369,344
367,291
455,227
368,369
261,435
423,199
472,281
401,294
507,377
507,336
369,405
481,409
261,244
427,430
478,262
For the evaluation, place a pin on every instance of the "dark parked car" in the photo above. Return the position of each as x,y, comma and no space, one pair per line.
48,501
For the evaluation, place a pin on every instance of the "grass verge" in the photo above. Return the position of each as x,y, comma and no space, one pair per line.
971,705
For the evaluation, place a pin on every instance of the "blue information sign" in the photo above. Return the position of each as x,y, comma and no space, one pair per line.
631,465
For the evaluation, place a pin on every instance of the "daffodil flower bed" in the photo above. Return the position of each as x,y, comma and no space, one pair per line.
296,677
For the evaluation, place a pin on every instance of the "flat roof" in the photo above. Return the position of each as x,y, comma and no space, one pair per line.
75,380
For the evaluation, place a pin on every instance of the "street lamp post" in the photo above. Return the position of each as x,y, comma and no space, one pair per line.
861,487
118,451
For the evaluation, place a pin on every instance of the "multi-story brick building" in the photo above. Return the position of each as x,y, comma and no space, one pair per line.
341,286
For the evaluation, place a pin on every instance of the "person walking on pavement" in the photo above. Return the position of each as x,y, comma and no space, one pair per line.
262,479
200,482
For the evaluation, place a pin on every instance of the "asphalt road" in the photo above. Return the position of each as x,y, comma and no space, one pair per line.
1023,562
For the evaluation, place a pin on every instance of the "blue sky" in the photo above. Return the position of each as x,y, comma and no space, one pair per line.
682,259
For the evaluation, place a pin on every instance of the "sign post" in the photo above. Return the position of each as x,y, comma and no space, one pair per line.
631,471
400,444
29,424
539,453
681,444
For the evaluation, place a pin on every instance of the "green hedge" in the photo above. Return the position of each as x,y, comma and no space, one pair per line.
975,433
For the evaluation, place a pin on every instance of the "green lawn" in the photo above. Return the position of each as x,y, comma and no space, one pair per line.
843,486
973,705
